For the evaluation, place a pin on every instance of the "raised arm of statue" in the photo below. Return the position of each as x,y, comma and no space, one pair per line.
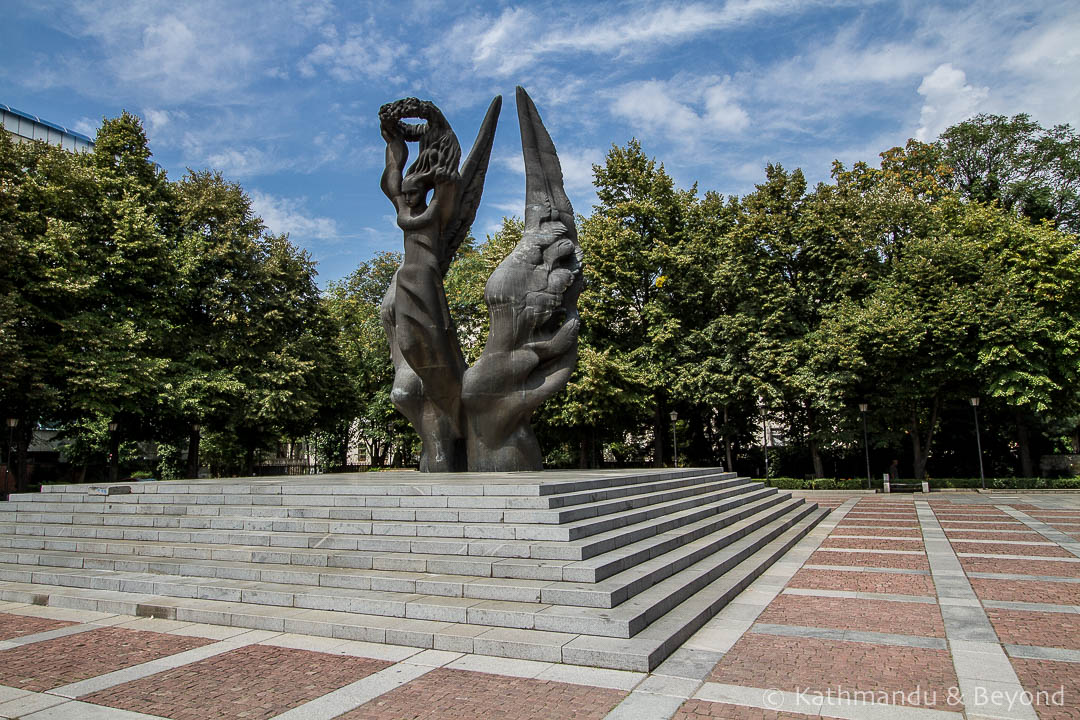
397,153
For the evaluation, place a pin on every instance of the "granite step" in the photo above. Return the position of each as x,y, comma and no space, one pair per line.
230,517
345,535
650,539
641,653
522,484
621,607
239,504
646,566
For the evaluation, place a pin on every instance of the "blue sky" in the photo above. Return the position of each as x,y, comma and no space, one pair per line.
282,95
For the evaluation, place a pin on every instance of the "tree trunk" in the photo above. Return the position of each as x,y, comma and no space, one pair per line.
815,456
815,453
658,435
920,449
1024,441
193,455
249,461
1075,440
583,453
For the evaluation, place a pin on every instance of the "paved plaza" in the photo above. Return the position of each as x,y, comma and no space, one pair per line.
943,606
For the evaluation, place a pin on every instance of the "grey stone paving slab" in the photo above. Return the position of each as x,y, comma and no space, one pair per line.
850,635
967,623
852,594
850,568
1052,534
985,674
1031,607
51,634
645,706
135,672
1043,653
28,704
816,705
355,694
75,710
689,663
1016,576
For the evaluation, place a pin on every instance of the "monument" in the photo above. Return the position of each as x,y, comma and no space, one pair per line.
477,418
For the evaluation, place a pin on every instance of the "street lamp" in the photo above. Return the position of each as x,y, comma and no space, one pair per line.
674,438
114,452
11,423
866,444
765,436
978,439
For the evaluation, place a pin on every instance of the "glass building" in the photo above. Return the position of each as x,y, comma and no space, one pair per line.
25,127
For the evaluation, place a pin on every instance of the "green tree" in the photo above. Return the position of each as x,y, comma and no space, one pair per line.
1029,170
628,324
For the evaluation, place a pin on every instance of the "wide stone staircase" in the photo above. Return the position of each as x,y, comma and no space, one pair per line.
604,568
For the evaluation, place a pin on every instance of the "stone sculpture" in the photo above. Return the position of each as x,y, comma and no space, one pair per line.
477,418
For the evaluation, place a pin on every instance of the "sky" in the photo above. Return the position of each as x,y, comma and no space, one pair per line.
282,96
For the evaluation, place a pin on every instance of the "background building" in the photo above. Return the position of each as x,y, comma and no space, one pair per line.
25,127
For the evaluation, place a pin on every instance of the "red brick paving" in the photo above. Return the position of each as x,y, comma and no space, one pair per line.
872,544
12,626
694,709
946,525
52,663
1044,629
1055,593
818,665
883,616
1008,549
895,583
443,694
869,559
1021,567
1054,685
253,682
979,535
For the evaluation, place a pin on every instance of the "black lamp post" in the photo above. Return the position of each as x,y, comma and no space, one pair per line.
674,437
765,437
866,444
114,452
12,423
978,439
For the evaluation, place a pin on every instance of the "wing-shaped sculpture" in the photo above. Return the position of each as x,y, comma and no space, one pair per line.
532,301
473,173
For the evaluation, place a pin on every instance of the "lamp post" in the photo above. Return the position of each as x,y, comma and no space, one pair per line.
114,452
866,443
765,437
978,439
674,437
12,423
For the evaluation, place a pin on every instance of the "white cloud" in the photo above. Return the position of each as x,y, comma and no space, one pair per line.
287,215
176,51
949,99
672,107
358,55
520,37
